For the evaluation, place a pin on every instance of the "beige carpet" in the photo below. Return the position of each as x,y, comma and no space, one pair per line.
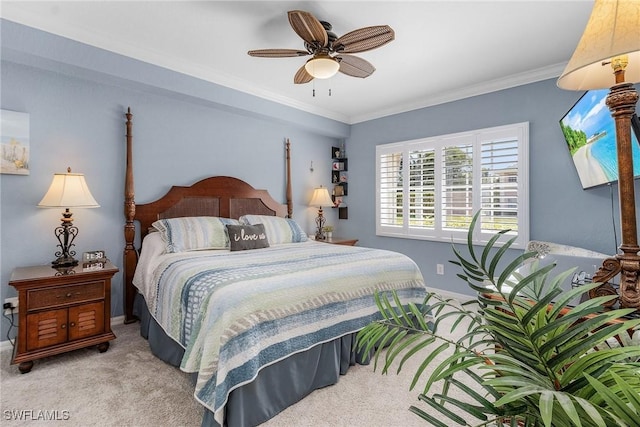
128,386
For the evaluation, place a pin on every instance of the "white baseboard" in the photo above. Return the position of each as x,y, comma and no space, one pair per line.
118,320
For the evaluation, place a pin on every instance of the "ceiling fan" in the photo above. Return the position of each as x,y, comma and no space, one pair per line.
330,52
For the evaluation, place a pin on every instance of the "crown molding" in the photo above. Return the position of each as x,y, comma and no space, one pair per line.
532,76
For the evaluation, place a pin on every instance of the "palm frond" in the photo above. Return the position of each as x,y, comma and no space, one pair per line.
628,413
521,356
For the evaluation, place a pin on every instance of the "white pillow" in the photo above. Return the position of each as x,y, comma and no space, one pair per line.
194,233
279,230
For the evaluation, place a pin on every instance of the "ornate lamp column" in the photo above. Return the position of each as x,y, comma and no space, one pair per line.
611,40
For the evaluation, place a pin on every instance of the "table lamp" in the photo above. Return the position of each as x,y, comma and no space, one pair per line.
608,56
67,190
319,199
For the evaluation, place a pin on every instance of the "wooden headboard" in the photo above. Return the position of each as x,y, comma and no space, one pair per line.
221,196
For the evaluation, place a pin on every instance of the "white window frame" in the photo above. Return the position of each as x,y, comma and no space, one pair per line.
517,132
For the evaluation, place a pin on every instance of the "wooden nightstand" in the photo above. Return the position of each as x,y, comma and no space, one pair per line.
60,311
340,241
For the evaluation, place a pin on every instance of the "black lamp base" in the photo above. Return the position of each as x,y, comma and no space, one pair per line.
65,233
320,225
64,262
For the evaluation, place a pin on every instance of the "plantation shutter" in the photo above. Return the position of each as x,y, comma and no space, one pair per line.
457,187
499,184
422,187
390,190
431,188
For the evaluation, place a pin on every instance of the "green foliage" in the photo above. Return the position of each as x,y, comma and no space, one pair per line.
520,360
575,138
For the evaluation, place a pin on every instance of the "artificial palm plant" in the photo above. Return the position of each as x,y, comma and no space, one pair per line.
525,359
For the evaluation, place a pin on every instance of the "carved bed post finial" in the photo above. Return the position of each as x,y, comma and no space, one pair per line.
289,190
130,254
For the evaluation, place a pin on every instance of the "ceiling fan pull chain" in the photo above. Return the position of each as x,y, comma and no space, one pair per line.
314,93
329,91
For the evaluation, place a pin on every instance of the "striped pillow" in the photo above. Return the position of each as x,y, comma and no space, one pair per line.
194,233
279,230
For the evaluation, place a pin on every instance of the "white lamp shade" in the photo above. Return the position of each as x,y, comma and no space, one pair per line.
613,30
68,190
322,66
321,198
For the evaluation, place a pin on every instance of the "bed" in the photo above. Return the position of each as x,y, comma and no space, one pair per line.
259,314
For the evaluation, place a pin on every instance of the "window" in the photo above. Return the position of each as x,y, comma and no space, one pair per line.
431,188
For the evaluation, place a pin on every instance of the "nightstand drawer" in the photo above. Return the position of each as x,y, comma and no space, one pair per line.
61,295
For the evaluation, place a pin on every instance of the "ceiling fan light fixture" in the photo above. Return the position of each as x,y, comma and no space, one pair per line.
320,42
322,66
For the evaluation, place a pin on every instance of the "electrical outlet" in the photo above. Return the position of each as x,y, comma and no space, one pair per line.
440,269
8,304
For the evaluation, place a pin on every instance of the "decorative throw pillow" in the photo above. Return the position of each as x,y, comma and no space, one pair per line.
243,237
279,230
194,233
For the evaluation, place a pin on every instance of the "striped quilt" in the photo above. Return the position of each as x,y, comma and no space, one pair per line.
237,312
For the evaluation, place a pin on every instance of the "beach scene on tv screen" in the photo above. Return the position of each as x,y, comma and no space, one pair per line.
589,131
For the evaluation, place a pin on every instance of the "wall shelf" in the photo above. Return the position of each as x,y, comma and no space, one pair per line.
339,181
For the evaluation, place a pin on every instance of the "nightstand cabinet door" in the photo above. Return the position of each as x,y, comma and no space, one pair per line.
46,328
49,328
86,320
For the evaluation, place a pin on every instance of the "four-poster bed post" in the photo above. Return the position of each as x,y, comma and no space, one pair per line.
130,253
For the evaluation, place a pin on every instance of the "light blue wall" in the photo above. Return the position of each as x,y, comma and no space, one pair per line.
560,210
184,130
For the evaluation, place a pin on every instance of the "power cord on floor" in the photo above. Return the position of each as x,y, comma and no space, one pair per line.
11,325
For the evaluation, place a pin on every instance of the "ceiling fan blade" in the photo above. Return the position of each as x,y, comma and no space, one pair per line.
364,39
302,76
308,27
277,53
354,66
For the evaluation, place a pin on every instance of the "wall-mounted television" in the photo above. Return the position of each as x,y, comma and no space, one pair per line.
589,131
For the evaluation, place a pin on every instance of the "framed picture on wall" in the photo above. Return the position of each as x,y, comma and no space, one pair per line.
14,142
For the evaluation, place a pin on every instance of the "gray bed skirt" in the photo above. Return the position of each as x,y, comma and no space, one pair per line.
276,387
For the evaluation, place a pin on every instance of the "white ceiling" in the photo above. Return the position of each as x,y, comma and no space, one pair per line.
444,50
